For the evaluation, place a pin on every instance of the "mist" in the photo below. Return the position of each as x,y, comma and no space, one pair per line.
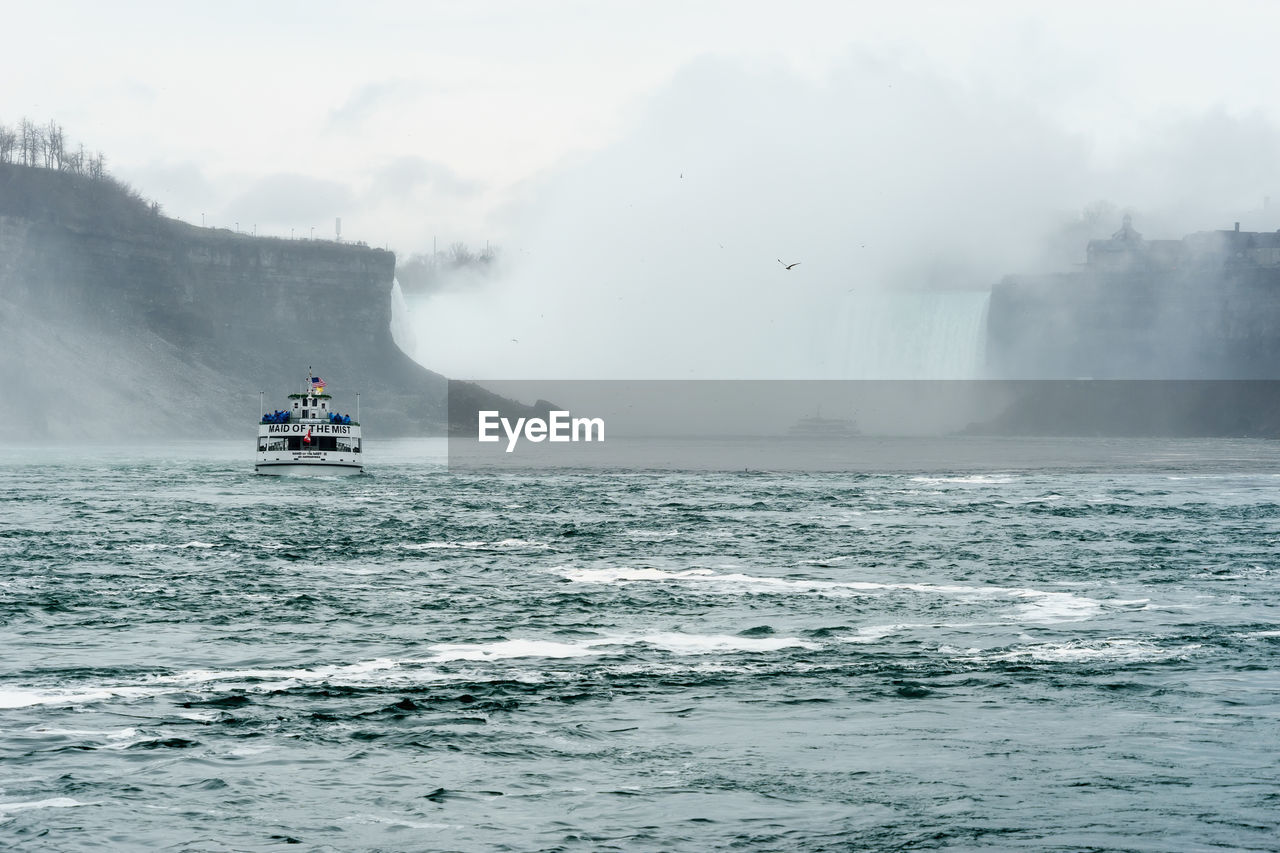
902,195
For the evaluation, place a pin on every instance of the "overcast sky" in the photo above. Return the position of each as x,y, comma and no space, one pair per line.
645,165
420,119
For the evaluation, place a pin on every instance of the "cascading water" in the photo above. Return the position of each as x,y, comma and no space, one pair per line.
401,323
892,334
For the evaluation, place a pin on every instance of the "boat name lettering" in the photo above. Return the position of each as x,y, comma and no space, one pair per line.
316,429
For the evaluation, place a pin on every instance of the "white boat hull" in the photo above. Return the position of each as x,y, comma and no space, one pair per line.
311,469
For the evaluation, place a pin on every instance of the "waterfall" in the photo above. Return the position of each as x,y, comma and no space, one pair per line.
919,334
401,323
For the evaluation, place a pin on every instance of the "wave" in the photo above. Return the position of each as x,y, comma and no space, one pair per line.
871,633
90,734
706,577
167,546
472,546
673,642
23,697
974,480
1034,605
51,803
384,672
1113,650
505,649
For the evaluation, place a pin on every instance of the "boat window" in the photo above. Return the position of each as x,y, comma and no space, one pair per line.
304,413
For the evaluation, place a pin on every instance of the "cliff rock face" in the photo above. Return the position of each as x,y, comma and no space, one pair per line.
1204,307
120,322
1186,334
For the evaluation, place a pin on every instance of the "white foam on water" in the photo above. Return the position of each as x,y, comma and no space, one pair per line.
125,743
974,479
653,534
505,649
699,644
1049,608
1262,634
199,716
472,546
376,672
520,543
275,679
120,734
165,546
660,668
396,822
674,642
952,650
52,803
23,697
712,580
871,633
1080,651
432,546
1034,605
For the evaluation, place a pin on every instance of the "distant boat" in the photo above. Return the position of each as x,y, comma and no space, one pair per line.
309,437
820,427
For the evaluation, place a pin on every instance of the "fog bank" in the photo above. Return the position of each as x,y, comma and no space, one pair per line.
663,255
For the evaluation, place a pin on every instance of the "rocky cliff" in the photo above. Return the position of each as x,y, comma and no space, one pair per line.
1185,333
118,321
1203,307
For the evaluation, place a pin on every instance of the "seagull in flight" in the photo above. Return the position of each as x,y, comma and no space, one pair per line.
788,266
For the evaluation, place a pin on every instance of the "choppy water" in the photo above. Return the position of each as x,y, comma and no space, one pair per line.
196,658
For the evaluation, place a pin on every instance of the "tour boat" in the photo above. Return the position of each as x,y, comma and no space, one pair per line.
820,427
310,436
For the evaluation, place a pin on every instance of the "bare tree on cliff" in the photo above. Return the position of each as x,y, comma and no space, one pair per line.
29,136
8,142
460,255
76,160
458,266
45,146
55,146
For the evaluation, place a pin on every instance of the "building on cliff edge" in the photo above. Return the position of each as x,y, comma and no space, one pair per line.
1206,306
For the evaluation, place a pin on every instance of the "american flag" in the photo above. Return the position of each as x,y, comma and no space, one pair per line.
317,384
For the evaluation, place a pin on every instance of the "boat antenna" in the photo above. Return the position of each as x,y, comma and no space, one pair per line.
262,407
357,407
